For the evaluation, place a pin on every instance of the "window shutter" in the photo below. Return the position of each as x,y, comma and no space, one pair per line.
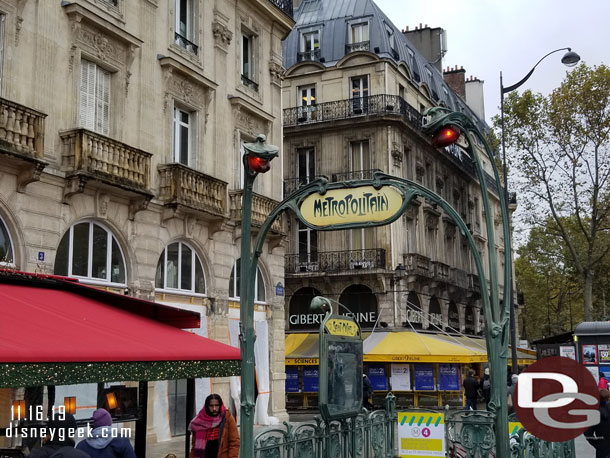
87,94
102,109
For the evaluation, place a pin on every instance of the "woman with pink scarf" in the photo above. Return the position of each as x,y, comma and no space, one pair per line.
214,431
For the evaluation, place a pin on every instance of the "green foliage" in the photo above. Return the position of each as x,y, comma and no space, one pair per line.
558,150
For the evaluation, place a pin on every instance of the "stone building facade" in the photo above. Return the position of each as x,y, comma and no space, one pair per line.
354,94
122,126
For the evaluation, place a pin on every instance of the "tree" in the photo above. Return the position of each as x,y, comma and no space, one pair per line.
559,151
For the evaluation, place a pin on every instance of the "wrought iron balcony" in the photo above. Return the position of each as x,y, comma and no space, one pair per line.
248,82
336,261
416,264
285,6
313,55
292,184
180,185
185,43
360,46
22,140
372,105
261,208
91,155
355,175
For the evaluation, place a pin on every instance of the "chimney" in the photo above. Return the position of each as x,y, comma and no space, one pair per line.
456,79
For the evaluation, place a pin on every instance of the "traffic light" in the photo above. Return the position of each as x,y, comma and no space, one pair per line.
257,164
446,136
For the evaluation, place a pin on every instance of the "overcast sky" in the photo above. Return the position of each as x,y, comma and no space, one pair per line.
489,36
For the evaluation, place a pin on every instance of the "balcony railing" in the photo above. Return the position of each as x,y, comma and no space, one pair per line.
372,105
261,208
292,184
185,43
360,46
248,82
108,160
22,128
304,56
336,261
285,6
459,278
180,185
440,271
416,264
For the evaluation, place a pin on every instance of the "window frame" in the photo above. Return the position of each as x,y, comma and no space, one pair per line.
176,139
194,258
89,277
4,227
235,271
94,104
360,25
248,58
186,41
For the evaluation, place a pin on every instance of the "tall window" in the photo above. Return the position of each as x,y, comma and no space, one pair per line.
90,251
235,287
360,163
391,39
184,34
6,246
308,245
307,102
182,136
247,61
360,94
176,393
310,46
179,268
94,98
306,165
359,32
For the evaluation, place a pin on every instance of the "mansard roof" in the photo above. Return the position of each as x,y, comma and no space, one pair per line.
331,18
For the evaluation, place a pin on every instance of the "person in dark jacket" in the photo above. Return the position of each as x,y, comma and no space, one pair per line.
103,444
367,392
599,435
59,443
486,387
471,387
215,433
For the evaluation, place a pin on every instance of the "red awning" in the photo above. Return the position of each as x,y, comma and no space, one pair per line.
67,322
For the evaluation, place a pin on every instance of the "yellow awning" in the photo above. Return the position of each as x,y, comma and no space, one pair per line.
405,347
302,349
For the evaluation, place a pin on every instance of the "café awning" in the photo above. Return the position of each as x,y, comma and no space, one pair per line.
56,331
401,347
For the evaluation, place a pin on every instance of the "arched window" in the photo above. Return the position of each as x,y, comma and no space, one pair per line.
234,286
6,246
179,268
89,250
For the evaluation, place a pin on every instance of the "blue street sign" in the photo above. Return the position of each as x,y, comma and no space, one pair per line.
41,255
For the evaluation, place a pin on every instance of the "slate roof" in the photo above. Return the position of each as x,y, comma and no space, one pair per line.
331,18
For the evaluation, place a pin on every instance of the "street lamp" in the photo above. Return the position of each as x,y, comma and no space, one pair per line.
569,59
256,160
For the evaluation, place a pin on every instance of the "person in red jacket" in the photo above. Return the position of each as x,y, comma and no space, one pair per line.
603,382
214,431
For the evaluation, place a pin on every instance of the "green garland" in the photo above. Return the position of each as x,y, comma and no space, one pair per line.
14,375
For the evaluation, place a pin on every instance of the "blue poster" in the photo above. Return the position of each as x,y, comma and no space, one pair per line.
378,378
449,377
292,379
310,380
424,377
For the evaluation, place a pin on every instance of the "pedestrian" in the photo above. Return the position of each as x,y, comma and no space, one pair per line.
367,392
599,435
471,387
603,382
105,443
59,443
486,387
214,431
511,393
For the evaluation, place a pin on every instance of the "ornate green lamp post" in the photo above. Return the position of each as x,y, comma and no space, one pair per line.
256,160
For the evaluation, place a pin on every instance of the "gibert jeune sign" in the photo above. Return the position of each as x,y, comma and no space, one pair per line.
362,204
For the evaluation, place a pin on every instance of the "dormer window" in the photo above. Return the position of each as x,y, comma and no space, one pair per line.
391,40
310,46
358,39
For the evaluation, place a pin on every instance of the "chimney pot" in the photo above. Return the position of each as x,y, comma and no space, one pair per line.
420,25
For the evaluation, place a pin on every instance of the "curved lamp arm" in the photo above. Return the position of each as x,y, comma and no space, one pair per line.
526,77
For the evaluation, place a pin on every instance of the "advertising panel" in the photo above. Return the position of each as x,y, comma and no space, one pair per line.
401,377
378,378
421,434
310,380
424,377
449,377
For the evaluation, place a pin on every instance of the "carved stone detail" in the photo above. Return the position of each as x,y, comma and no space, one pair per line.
104,47
222,35
277,72
102,202
397,155
18,25
249,123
